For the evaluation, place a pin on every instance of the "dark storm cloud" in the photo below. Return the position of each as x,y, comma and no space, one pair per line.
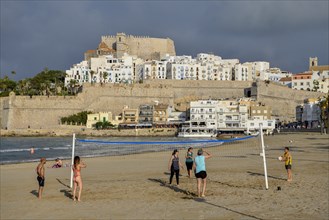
55,34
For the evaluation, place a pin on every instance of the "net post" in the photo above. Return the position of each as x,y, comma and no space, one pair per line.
263,153
72,161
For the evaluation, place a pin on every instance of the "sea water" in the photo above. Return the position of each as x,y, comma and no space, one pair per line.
18,149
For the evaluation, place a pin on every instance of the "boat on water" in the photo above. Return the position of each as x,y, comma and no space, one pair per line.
196,129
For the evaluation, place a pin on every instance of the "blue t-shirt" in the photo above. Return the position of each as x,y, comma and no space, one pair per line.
200,163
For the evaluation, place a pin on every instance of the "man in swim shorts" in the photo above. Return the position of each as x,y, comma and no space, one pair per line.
41,176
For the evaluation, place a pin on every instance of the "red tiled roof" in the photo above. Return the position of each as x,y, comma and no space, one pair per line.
285,79
91,51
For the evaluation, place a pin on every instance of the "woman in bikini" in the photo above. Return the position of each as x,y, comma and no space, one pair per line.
77,176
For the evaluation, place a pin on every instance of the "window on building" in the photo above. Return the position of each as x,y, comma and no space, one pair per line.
301,83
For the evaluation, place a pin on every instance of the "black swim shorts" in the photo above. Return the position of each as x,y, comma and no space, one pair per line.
41,181
201,174
189,165
288,167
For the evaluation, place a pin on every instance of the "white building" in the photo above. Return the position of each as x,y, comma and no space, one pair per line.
113,70
302,81
78,74
241,72
311,114
204,111
286,81
231,116
153,70
267,125
175,116
274,74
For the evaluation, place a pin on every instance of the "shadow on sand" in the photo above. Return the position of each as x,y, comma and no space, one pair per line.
67,193
63,183
34,192
261,174
193,196
228,209
174,188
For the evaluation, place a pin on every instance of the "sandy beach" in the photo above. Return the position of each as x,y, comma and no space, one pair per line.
136,186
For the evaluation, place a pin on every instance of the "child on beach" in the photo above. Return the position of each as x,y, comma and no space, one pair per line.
174,166
200,170
287,158
58,163
77,176
41,176
189,161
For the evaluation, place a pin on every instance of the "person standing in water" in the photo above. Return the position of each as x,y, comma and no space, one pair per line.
77,176
174,166
41,176
200,170
189,161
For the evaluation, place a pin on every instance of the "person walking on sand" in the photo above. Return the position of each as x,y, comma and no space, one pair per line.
41,176
200,170
77,176
287,158
174,165
189,161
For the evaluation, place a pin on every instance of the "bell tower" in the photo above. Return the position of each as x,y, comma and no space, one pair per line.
313,62
121,44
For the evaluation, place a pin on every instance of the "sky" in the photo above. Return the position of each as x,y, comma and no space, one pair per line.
55,34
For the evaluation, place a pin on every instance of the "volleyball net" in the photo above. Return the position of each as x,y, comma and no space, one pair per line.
248,147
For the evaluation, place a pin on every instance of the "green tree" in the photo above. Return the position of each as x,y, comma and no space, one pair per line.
324,113
76,119
315,85
45,82
6,86
92,73
103,125
105,75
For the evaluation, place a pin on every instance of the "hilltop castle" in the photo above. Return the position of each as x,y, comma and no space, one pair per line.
142,46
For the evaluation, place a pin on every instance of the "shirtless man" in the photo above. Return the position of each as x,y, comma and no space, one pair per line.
41,176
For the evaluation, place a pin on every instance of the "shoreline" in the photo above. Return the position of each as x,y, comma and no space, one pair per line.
149,132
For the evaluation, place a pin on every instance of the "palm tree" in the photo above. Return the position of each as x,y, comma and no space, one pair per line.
105,74
92,73
72,85
324,113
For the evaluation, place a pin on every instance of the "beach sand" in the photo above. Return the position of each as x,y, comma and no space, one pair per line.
136,186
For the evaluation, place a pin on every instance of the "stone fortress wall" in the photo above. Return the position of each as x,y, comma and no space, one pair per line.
142,46
22,112
282,99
